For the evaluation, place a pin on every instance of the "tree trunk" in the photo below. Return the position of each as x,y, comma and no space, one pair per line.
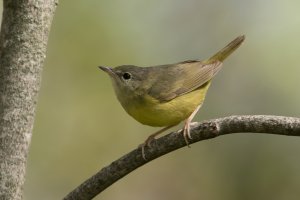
23,40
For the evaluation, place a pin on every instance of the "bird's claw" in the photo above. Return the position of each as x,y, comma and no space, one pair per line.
187,134
147,143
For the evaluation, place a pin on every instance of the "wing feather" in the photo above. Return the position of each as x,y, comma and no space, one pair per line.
182,78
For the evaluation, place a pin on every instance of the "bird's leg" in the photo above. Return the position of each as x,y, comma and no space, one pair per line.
186,129
151,138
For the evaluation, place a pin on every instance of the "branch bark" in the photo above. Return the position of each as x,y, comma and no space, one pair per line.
23,40
200,131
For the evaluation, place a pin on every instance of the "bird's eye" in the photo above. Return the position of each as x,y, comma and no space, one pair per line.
126,76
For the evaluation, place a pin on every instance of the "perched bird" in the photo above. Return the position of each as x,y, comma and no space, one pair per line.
165,95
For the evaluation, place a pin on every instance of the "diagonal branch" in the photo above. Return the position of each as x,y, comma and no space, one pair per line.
200,131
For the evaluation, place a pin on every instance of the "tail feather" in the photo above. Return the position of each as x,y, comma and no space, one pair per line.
226,51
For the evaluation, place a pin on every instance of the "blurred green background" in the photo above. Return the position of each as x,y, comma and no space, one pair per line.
80,127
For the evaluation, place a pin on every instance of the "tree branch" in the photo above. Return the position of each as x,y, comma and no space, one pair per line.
23,41
200,131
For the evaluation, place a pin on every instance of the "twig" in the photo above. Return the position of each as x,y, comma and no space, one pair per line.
108,175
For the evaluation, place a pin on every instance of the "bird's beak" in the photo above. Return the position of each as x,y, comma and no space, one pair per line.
108,70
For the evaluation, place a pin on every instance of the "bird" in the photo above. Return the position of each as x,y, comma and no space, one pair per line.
165,95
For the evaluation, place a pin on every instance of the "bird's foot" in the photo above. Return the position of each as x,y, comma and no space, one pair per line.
186,133
147,143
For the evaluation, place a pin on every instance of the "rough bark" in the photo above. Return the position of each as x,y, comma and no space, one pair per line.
23,40
200,131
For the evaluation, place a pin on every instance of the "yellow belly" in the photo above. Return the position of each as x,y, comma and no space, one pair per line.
154,113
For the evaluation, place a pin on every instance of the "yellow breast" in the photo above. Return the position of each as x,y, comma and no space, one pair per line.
154,113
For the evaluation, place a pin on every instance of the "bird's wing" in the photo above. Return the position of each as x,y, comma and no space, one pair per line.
182,78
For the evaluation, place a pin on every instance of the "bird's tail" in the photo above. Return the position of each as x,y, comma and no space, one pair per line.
226,51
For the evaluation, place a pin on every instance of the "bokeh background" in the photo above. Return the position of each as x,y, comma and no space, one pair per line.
80,126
